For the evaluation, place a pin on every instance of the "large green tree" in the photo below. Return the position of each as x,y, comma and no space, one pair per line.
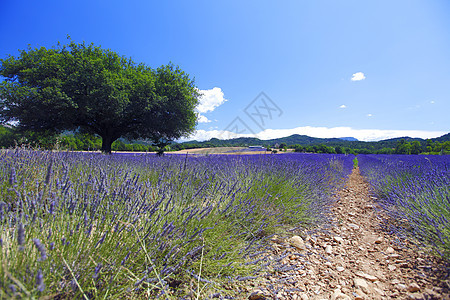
93,90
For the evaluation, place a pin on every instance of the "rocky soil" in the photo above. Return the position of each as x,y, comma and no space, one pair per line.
352,259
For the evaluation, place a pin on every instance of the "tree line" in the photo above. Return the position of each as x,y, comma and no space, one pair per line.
79,141
401,147
9,137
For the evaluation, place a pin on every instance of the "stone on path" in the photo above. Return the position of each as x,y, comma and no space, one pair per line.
413,287
416,296
338,239
361,284
358,295
354,226
379,291
297,242
366,276
258,294
379,240
390,250
338,295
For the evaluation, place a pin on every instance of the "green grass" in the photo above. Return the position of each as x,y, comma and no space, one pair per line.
355,163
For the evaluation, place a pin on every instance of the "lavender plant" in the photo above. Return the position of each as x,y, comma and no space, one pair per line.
78,225
414,191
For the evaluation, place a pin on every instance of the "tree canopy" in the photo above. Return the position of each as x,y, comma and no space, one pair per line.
86,88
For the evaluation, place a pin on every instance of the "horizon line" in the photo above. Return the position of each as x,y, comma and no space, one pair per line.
362,135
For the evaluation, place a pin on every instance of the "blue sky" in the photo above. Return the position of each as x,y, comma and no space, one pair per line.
302,55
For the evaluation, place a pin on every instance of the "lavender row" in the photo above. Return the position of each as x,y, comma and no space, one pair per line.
414,191
88,225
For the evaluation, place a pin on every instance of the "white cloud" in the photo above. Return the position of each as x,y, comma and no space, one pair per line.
203,119
321,132
343,106
432,102
358,76
369,115
210,100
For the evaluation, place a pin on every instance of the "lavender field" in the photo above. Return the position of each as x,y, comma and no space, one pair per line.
79,225
415,191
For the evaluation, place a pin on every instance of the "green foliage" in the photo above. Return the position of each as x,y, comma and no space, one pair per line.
324,149
297,148
43,139
80,141
403,147
6,137
385,151
339,150
416,147
87,88
355,163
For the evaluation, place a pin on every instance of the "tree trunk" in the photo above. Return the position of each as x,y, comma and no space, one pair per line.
106,144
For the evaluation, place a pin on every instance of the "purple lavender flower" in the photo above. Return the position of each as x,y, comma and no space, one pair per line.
41,249
102,239
48,177
12,176
97,270
40,281
20,236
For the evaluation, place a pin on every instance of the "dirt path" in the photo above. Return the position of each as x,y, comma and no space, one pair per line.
353,259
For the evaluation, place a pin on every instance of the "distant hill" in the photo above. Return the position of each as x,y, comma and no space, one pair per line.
348,139
444,138
251,141
305,140
406,138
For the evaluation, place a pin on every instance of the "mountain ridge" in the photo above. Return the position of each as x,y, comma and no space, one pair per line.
305,140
